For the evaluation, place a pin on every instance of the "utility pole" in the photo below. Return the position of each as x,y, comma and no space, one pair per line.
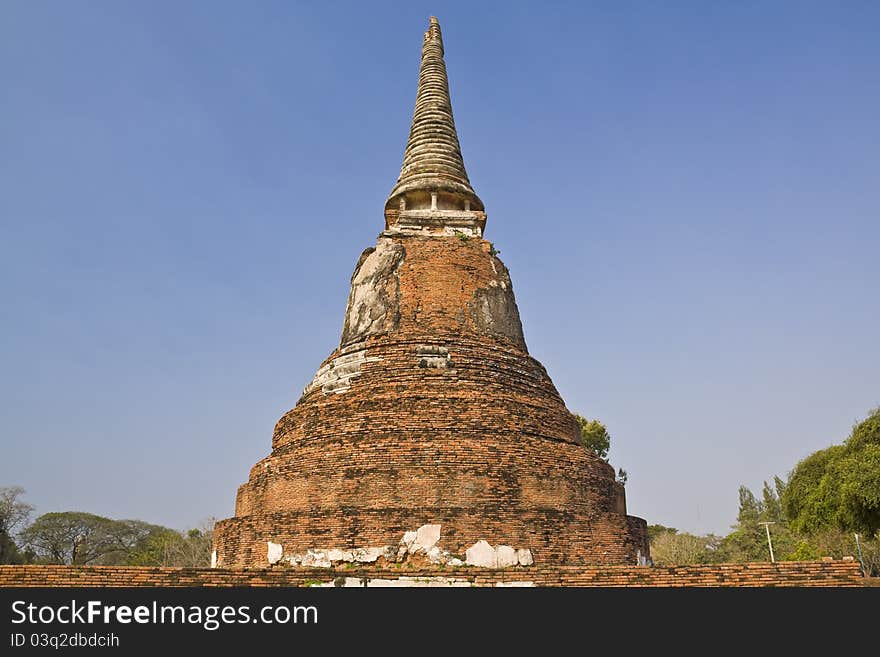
861,560
769,542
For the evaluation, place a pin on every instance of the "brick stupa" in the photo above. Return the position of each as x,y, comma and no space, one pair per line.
430,430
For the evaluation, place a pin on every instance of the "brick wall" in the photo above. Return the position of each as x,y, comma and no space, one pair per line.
807,573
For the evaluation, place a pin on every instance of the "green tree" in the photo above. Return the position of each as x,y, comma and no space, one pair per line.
829,496
196,550
167,547
771,501
9,552
13,512
594,436
674,549
127,537
68,538
859,500
75,537
839,487
745,542
748,539
656,530
158,550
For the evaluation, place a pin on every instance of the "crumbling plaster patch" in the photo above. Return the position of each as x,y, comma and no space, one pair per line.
434,356
335,377
422,541
374,301
494,308
274,552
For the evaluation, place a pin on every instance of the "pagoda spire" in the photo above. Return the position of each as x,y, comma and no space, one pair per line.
432,163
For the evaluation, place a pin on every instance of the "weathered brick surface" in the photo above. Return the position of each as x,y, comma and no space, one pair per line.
448,420
809,573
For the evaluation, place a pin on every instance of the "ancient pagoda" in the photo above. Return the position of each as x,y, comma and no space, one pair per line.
430,432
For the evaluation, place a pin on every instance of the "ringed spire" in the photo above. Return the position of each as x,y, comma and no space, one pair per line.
433,173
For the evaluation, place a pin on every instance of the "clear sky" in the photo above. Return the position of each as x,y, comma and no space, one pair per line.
687,195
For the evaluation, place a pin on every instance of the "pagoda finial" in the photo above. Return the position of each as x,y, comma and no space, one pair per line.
433,173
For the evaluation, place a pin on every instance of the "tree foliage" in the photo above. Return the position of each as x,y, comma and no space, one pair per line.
74,537
78,538
656,530
747,540
13,512
191,549
673,549
838,488
9,552
594,436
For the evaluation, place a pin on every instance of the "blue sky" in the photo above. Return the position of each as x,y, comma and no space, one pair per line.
686,194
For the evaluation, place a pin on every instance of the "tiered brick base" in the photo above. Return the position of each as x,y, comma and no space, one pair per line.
806,573
431,412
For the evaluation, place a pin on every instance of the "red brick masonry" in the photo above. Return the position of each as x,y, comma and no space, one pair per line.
790,573
431,411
